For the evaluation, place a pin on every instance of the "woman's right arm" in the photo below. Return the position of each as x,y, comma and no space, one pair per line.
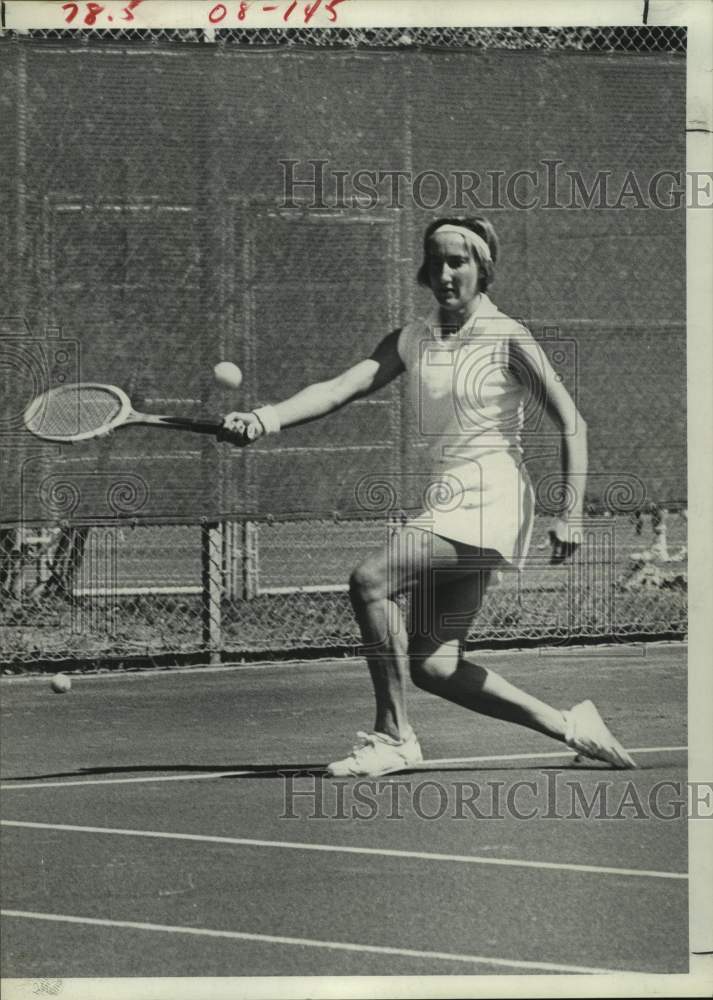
363,378
321,398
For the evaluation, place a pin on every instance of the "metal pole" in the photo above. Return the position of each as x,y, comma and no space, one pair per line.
212,588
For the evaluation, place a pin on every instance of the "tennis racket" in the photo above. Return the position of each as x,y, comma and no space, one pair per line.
85,410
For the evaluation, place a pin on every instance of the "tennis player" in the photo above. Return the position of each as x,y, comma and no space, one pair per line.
471,372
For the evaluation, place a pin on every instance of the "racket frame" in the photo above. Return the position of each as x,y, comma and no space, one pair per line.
126,415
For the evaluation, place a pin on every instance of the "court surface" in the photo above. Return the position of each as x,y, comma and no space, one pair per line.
179,824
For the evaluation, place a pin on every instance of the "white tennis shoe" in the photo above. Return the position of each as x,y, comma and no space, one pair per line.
588,734
376,754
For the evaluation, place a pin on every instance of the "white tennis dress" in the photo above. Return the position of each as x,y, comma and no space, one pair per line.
468,412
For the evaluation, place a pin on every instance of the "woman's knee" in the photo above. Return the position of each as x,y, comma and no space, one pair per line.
367,583
430,670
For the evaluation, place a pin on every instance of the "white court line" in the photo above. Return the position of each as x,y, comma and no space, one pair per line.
426,765
382,852
534,756
314,943
128,781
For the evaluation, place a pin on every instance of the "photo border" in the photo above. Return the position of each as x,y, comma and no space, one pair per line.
697,16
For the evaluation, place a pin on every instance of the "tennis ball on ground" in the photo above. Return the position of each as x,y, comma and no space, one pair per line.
228,374
60,683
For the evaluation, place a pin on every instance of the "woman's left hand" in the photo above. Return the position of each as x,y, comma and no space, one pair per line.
561,542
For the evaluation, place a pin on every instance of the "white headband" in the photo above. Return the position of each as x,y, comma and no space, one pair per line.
478,244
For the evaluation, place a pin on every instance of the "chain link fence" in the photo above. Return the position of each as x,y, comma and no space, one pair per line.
135,252
640,38
232,589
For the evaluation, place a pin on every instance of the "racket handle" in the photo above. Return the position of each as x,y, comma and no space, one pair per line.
190,424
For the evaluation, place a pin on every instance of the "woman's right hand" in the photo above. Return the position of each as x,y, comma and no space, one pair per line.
562,545
240,429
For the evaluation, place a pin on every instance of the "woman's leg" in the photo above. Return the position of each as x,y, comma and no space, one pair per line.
437,665
373,587
447,582
411,556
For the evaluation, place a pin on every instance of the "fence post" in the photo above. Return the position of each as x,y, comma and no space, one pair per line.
250,560
231,558
16,579
212,587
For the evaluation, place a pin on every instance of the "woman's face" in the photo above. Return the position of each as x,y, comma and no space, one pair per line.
452,271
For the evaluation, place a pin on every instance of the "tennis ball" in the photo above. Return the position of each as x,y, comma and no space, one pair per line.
60,683
228,374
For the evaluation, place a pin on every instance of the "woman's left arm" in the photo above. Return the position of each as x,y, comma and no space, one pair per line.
530,363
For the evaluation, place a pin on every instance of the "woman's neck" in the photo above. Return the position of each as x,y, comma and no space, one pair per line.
452,321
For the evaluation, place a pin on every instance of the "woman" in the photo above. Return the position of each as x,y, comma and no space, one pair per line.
471,371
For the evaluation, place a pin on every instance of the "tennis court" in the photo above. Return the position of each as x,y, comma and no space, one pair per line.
178,824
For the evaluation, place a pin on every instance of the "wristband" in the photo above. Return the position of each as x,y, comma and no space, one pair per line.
267,415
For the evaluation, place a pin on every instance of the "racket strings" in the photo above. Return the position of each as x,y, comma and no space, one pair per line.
76,410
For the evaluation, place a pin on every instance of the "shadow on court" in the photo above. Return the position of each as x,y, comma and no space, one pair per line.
249,771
